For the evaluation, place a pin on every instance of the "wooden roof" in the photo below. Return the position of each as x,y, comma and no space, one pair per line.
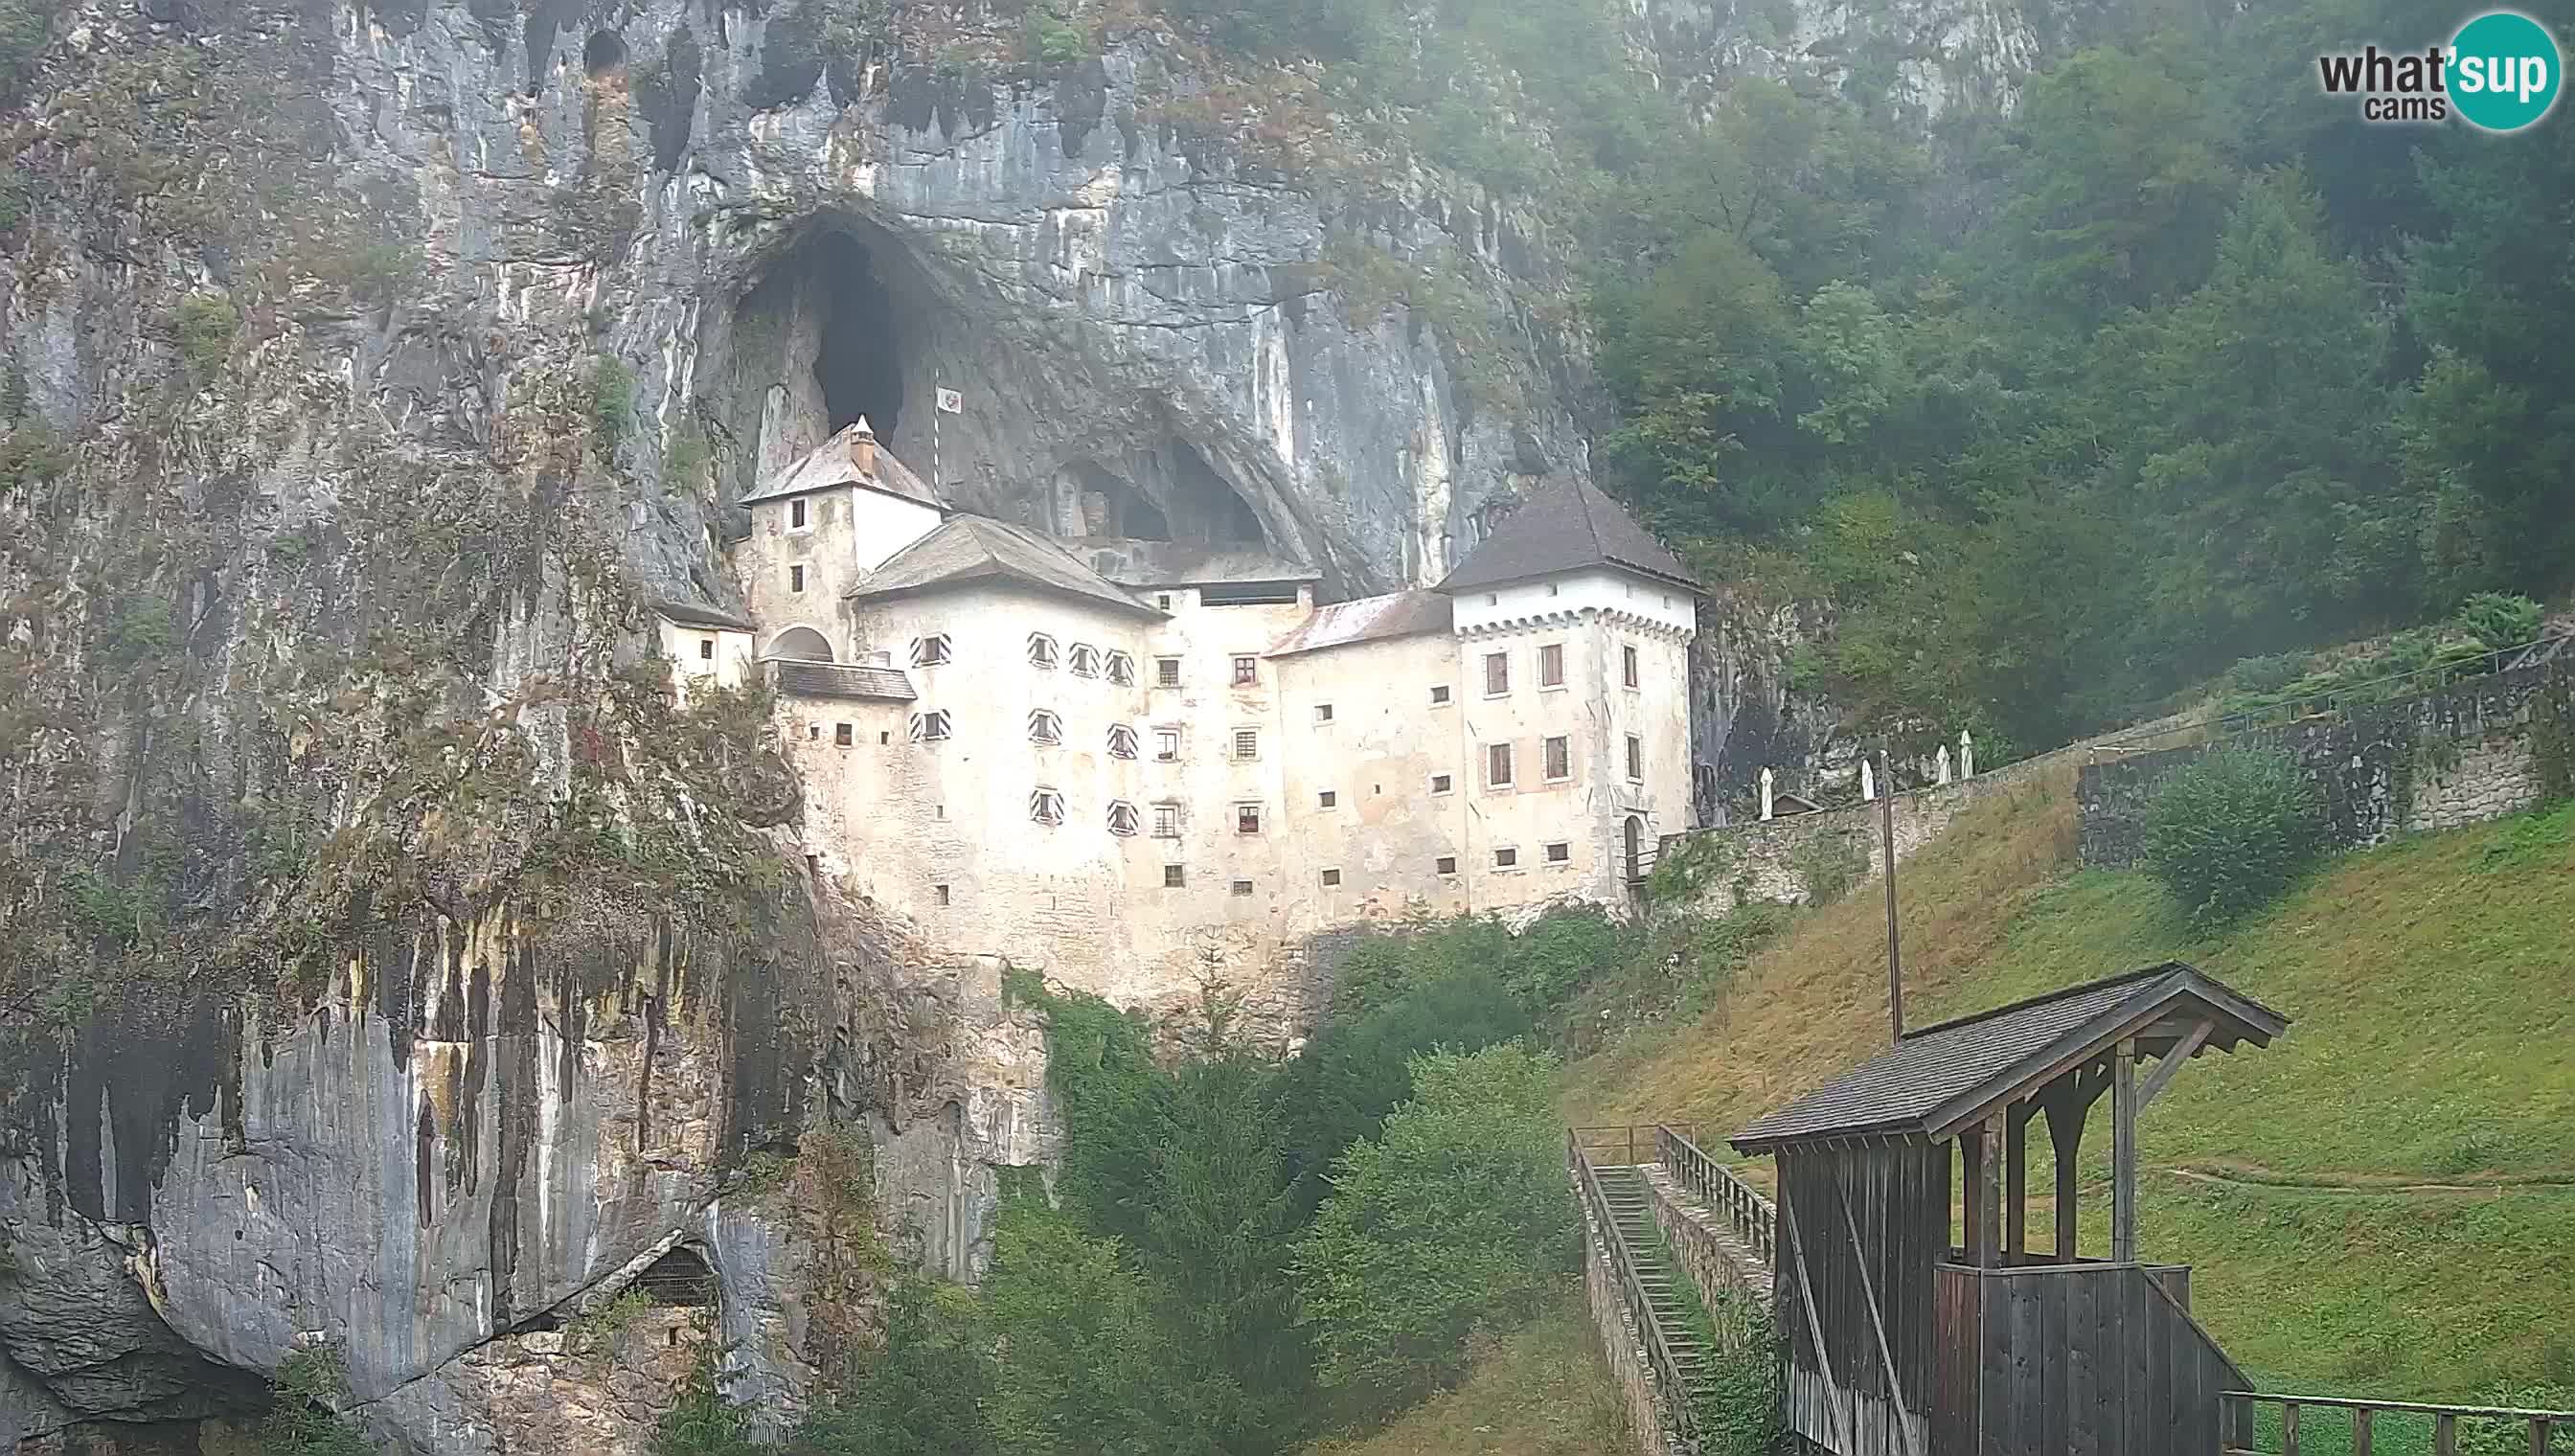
1944,1079
1566,527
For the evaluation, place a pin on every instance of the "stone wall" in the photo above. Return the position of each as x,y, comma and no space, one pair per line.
1623,1343
1731,1282
2473,752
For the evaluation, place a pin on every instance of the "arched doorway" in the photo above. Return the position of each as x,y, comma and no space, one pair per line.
1635,851
802,644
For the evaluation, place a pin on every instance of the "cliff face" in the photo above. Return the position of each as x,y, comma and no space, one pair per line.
383,963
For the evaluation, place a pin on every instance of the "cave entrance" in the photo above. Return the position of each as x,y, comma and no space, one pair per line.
1205,509
858,365
1114,507
680,1277
831,328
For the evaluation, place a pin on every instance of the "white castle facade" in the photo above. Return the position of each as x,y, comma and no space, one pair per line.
1136,766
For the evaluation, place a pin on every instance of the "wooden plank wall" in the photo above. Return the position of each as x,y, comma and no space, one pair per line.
2092,1359
1894,1196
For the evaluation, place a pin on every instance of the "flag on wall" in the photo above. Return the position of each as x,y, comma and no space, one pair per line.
950,403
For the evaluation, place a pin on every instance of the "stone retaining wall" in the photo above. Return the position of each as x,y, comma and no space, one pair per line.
2473,752
1731,1281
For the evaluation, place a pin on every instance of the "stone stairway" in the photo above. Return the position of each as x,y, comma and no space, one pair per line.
1632,1208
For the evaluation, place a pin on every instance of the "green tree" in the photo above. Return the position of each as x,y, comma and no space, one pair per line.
703,1422
923,1394
1458,1214
2231,831
303,1415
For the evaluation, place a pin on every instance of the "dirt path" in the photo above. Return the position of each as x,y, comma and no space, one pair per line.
2251,1175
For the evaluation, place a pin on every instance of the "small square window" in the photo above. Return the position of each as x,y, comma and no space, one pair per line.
1560,758
1246,670
796,511
1552,588
1328,798
1243,886
1497,765
1442,783
1167,822
1173,876
1498,673
705,650
1166,745
1323,713
884,738
1550,666
1628,665
1122,819
1439,696
1506,859
1635,759
942,892
930,652
1332,877
1560,854
842,735
1045,806
1122,740
1448,864
1246,819
1166,672
1246,743
794,578
930,728
1121,669
1164,600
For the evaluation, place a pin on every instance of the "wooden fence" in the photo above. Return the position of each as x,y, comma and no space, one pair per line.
1669,1375
1746,1211
2276,1425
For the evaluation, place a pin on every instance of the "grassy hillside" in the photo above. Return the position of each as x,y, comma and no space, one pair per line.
2384,1202
1542,1390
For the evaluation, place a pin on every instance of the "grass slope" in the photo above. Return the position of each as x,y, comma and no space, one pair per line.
1539,1391
2383,1202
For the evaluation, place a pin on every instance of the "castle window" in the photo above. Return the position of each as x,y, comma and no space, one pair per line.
1122,819
1498,673
1040,649
1246,670
794,578
1045,806
1167,822
1122,740
1560,758
796,513
1173,876
1164,600
1328,798
1332,877
1323,713
842,735
1507,860
1045,727
1166,672
930,652
1559,853
1247,745
1497,765
1442,783
1447,864
1086,660
1243,886
705,650
1635,759
1166,745
943,892
1627,664
1439,696
1550,666
1246,819
1121,669
930,728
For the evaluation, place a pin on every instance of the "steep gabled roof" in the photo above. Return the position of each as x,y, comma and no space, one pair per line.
1948,1076
1369,618
696,613
1566,527
832,463
844,679
971,549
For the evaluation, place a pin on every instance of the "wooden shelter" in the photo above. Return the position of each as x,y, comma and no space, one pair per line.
1909,1335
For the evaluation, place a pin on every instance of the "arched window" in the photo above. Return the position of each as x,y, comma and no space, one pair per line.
802,645
1040,650
1045,726
1086,660
1123,819
1122,740
1045,806
1121,669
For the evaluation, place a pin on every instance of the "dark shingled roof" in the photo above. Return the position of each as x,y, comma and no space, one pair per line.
1943,1077
829,464
1565,527
1369,618
696,613
970,548
835,680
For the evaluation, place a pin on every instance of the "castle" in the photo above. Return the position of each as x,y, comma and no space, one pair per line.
1133,764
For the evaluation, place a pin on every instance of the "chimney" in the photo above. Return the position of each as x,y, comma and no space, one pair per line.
863,449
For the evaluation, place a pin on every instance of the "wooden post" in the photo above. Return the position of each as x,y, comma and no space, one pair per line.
1895,946
2123,1155
2289,1429
1989,1191
2445,1435
2538,1436
1971,1158
2016,1175
2065,1118
2361,1421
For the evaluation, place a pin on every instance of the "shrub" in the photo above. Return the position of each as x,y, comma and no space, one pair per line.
24,27
702,1422
204,324
2498,620
2229,833
302,1419
1053,41
612,404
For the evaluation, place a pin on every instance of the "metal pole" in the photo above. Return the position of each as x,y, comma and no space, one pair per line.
1894,950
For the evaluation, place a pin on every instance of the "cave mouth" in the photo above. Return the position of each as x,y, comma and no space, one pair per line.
604,55
680,1277
858,365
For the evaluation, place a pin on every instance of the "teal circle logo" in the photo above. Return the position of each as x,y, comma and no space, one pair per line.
2504,71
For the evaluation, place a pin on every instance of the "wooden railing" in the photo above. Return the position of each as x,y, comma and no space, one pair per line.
1658,1354
2245,1436
1753,1219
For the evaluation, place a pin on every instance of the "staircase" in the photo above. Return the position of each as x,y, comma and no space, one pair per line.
1630,1205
